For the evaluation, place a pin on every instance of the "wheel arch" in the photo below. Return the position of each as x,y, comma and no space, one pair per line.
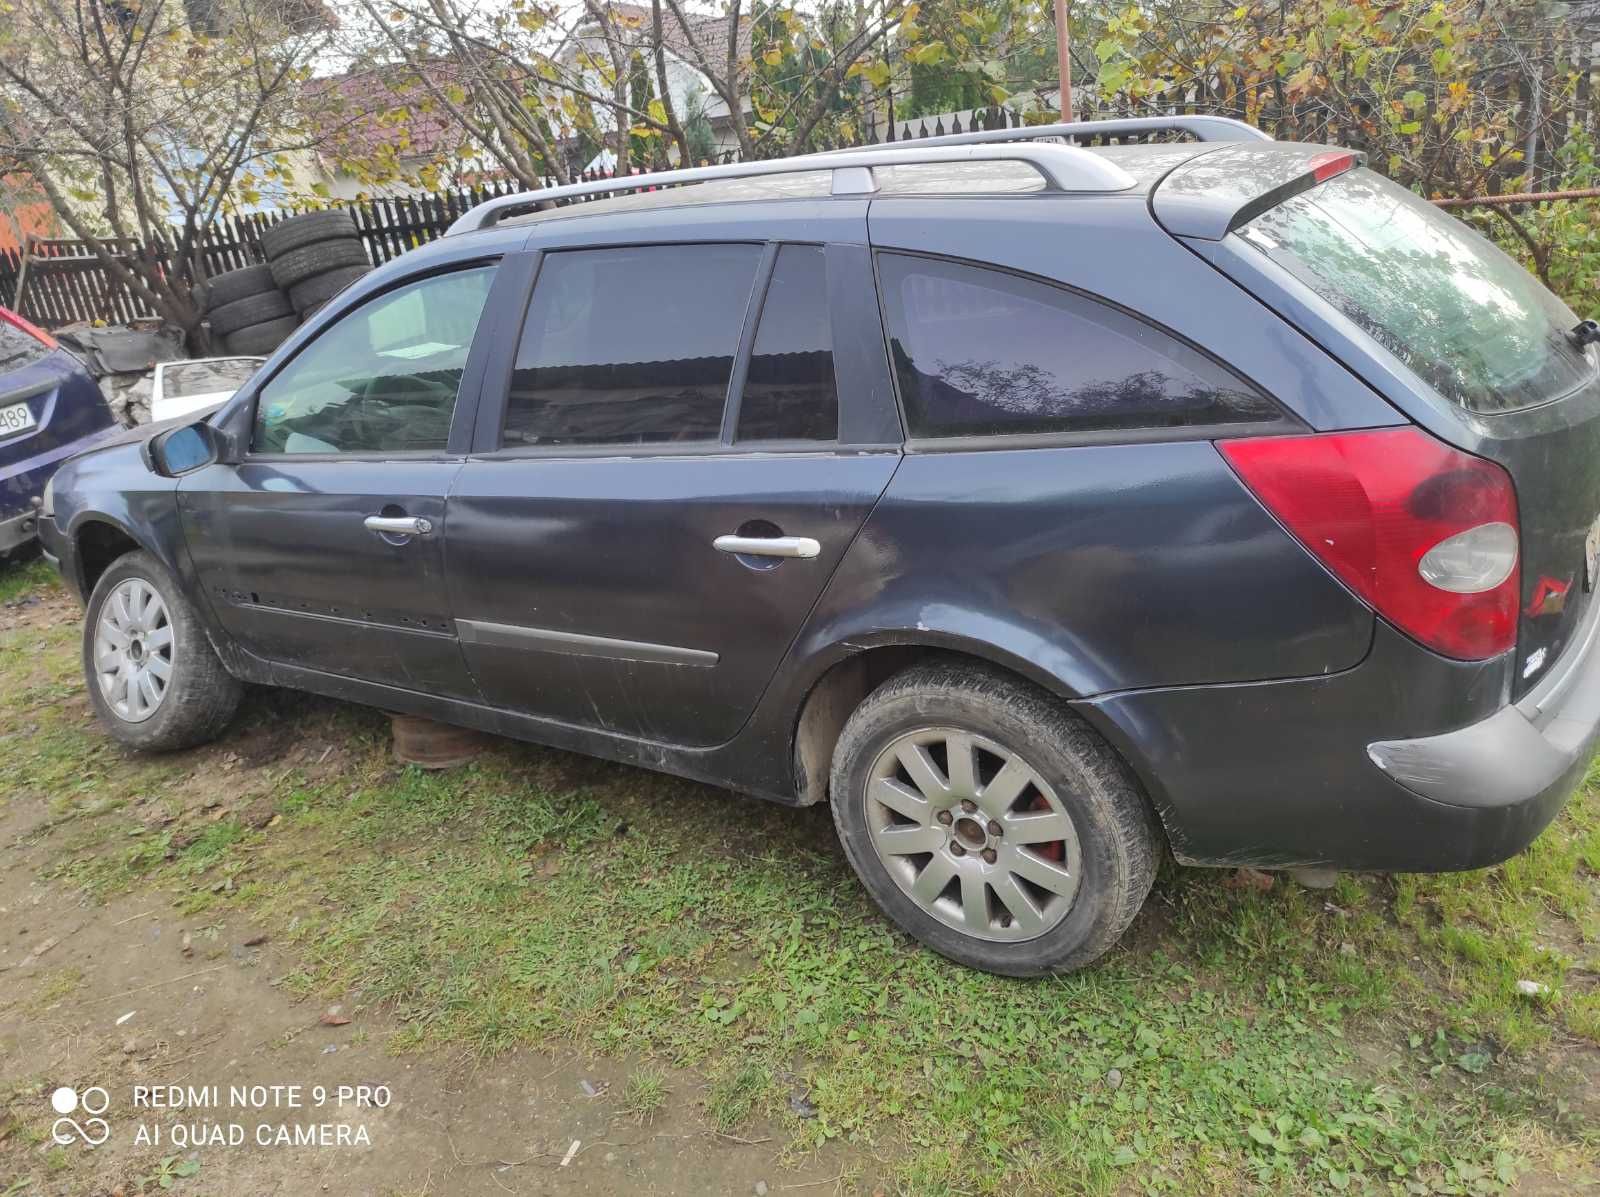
842,677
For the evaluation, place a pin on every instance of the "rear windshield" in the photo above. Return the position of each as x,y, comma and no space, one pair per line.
17,348
1464,316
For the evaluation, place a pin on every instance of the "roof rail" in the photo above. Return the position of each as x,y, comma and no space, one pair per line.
1065,168
1204,128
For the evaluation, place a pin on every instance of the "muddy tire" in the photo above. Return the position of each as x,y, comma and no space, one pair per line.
990,822
153,678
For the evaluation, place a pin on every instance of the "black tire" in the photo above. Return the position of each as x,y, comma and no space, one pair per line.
199,697
252,309
234,285
317,290
308,229
1118,840
258,340
308,261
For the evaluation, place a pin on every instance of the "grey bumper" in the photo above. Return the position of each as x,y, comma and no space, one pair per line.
1531,754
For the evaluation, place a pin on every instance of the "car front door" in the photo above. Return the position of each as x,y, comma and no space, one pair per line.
687,442
324,546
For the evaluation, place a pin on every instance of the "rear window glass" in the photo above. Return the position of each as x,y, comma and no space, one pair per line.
1463,315
211,376
17,348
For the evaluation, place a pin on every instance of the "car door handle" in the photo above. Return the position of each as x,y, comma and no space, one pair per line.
398,525
768,546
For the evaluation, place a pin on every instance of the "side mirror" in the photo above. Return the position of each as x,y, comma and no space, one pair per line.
185,449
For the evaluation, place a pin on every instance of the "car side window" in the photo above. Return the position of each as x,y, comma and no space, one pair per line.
981,352
383,379
789,392
631,345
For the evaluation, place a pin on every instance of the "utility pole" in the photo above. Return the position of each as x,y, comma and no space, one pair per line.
1064,57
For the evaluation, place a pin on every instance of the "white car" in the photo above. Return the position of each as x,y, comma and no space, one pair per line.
186,387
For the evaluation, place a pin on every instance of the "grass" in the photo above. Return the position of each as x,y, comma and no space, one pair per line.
645,1093
1370,1039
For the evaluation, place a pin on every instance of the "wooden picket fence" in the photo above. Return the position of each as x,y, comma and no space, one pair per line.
63,282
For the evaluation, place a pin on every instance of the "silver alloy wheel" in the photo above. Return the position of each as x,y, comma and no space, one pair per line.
133,650
973,834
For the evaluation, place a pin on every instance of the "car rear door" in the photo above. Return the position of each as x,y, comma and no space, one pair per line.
688,440
324,547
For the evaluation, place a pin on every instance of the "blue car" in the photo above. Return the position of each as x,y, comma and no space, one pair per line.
49,409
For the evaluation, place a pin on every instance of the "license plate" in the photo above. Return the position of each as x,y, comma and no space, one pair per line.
16,418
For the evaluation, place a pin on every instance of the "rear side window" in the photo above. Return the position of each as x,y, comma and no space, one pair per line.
789,392
1464,316
630,346
980,352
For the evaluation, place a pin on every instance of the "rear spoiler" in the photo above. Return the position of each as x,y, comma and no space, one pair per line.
1218,190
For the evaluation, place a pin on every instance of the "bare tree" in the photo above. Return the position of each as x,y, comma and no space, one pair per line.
142,126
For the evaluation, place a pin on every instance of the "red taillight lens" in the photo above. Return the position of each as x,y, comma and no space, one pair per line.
33,330
1423,532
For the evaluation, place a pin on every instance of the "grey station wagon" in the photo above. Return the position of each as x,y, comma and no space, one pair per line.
1038,505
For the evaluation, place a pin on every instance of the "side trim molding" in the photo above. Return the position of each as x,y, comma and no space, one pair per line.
547,640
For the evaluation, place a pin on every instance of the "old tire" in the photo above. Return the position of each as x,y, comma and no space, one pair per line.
258,340
306,296
252,309
234,285
154,680
308,261
307,229
1034,859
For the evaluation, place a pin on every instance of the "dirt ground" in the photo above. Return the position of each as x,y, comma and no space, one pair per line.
133,993
146,1006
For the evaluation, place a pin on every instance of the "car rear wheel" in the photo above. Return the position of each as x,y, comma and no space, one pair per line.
153,678
991,823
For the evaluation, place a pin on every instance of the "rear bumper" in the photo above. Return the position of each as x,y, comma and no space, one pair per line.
1514,770
18,529
1354,770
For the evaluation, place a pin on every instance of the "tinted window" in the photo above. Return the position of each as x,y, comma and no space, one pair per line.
1471,321
383,379
789,393
981,352
630,346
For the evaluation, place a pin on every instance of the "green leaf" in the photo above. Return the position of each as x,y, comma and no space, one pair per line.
1261,1135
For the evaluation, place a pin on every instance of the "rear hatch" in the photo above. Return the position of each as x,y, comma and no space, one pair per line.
1459,337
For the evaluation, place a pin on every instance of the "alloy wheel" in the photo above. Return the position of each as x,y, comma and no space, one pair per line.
133,650
973,834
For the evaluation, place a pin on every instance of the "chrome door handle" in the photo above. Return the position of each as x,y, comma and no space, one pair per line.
768,546
398,525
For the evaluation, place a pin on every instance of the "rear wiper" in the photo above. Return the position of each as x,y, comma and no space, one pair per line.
1583,334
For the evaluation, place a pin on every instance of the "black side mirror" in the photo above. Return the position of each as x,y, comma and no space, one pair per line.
1583,334
185,449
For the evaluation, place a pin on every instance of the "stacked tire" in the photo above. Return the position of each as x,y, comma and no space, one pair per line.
313,257
247,311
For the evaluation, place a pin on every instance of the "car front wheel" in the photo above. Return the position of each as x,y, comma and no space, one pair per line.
990,822
153,678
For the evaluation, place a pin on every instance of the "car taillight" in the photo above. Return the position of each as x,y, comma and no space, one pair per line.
1424,533
33,330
